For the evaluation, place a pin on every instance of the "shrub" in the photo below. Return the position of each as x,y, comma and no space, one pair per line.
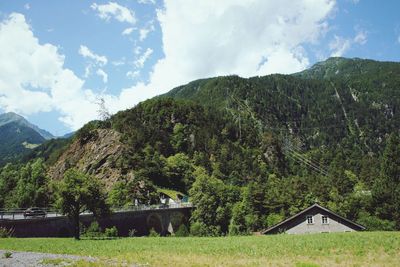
153,233
93,230
7,254
132,232
182,231
200,229
4,232
234,229
111,232
373,223
273,219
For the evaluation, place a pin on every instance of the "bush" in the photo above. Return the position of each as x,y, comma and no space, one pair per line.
200,229
7,254
273,219
234,229
93,230
4,232
373,223
132,232
153,233
111,232
182,231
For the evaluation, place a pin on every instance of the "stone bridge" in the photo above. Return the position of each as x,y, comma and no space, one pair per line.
164,220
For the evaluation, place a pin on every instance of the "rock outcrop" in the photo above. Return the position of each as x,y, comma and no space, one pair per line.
96,156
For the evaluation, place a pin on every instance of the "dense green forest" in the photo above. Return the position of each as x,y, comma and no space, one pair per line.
250,152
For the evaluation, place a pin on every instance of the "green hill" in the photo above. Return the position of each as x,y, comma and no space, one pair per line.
250,151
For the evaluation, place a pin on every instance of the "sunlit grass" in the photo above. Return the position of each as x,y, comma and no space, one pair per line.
344,249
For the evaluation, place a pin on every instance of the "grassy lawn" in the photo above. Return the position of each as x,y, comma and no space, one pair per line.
343,249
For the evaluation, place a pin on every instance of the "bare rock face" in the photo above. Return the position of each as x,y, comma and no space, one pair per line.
96,156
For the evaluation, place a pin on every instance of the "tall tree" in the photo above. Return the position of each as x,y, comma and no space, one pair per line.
79,192
213,200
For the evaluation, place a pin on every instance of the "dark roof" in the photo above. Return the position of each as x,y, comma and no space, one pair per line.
306,210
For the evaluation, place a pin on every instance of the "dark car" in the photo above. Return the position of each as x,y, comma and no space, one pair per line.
34,212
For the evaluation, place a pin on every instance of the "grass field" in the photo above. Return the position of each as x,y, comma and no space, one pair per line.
343,249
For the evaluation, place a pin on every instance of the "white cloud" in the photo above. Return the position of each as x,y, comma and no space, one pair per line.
360,38
153,2
33,77
118,63
87,53
199,38
137,50
354,1
132,74
139,63
209,38
116,11
27,6
127,31
145,31
339,45
103,75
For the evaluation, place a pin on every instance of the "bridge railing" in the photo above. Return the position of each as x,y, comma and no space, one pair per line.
152,207
13,212
16,213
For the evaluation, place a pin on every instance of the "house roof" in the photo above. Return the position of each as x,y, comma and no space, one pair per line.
306,210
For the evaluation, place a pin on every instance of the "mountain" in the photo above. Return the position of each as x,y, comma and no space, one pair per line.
338,100
341,106
17,139
13,117
260,146
345,68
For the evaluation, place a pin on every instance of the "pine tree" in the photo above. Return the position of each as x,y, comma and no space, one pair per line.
386,189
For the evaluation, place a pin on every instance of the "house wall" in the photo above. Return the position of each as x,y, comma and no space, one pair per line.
299,225
317,227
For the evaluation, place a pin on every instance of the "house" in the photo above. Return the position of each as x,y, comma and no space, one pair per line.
171,197
314,219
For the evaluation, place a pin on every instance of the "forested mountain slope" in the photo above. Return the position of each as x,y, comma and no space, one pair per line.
249,151
16,140
339,100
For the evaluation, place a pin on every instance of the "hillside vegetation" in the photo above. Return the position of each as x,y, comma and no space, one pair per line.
16,140
249,152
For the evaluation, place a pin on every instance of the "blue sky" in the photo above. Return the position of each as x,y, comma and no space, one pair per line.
59,58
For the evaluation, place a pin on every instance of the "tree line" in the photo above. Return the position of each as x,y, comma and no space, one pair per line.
241,179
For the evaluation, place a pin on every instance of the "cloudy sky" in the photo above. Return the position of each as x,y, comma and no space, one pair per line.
58,58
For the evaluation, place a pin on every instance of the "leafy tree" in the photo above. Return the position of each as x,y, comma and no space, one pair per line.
79,192
133,186
179,171
213,200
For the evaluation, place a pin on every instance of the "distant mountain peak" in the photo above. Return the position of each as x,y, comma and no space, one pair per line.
9,117
345,67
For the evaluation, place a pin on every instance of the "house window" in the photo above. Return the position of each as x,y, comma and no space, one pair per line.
325,219
310,219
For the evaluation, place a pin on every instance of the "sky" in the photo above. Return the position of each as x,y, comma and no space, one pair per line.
59,59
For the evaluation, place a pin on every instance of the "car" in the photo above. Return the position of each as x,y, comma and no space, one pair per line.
34,212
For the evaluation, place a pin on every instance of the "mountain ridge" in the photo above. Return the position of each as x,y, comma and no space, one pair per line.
14,117
259,146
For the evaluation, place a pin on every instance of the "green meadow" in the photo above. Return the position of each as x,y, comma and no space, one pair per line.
341,249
